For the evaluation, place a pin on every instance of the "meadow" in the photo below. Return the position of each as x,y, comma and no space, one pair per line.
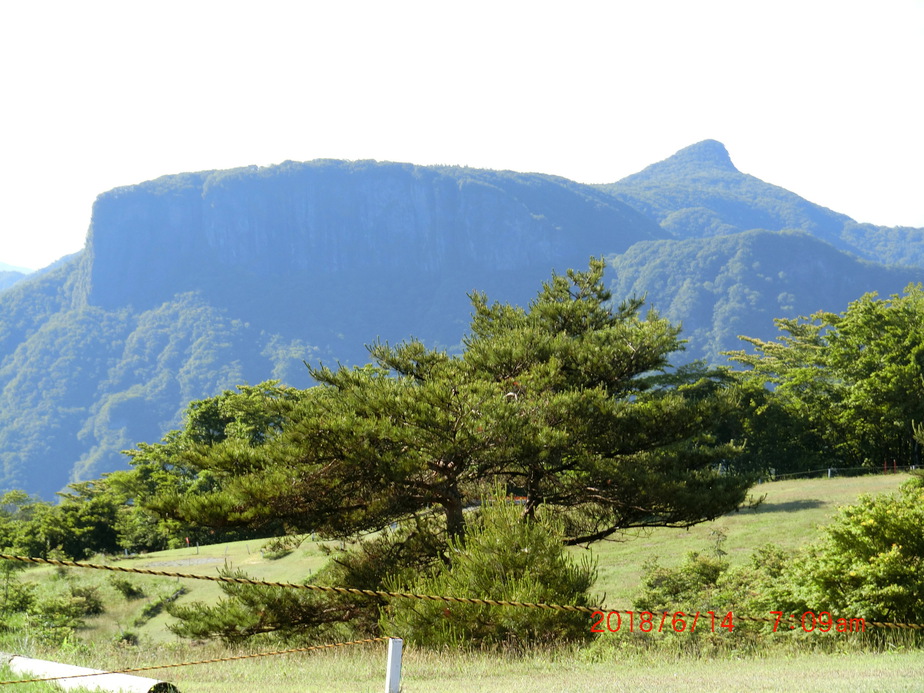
788,516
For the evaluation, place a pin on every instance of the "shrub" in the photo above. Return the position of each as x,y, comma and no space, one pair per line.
127,638
690,587
86,600
127,588
870,562
280,547
709,584
506,558
15,596
156,606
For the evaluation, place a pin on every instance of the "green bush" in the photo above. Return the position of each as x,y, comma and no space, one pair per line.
707,584
503,558
690,587
156,606
280,547
15,596
87,600
870,561
127,638
127,588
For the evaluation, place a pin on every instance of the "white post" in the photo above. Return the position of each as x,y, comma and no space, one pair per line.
393,670
101,681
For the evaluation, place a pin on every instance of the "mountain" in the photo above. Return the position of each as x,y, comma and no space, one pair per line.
10,274
193,283
8,278
724,286
743,252
698,193
346,248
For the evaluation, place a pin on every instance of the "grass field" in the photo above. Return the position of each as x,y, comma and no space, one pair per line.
789,516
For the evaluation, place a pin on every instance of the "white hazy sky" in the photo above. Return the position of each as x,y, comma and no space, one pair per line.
825,98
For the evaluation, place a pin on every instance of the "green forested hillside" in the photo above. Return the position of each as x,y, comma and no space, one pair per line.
192,284
8,278
10,274
725,286
86,382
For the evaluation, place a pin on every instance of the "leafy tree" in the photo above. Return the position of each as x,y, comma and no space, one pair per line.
162,474
20,517
597,424
562,400
849,387
569,403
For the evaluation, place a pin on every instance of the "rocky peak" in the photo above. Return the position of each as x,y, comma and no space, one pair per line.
706,154
708,157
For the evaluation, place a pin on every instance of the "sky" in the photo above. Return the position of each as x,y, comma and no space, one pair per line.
824,98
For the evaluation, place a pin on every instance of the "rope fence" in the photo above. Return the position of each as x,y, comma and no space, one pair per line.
832,472
384,594
293,585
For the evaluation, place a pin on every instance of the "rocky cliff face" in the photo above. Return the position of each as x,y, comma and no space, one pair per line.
332,225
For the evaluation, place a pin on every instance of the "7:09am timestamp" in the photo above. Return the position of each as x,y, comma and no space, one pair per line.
823,621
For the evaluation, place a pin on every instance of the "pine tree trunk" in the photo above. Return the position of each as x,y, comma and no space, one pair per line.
455,522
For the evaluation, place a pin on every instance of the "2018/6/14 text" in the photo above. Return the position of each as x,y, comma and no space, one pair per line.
649,622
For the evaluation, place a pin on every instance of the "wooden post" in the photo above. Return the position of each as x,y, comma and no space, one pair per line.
393,666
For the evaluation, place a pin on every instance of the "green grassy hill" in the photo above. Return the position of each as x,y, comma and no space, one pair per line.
789,516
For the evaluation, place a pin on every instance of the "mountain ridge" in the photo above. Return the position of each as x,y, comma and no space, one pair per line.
698,192
193,283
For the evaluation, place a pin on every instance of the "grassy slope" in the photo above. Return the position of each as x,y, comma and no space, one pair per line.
789,516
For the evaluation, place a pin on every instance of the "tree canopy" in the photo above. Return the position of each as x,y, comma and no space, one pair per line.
569,402
848,387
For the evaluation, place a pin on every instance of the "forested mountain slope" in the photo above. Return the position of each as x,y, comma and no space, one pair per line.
743,251
8,278
193,283
725,286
